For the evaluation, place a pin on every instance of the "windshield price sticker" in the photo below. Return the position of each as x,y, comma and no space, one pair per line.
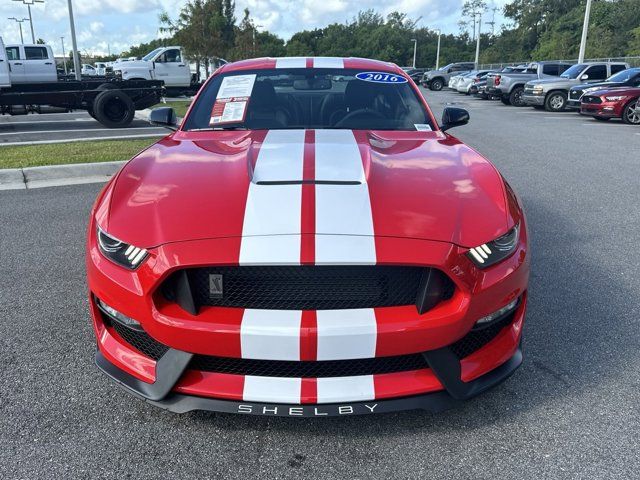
229,110
423,127
236,86
380,77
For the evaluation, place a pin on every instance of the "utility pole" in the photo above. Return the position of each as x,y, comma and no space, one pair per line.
438,50
28,3
64,57
493,21
76,56
478,39
415,50
585,28
19,22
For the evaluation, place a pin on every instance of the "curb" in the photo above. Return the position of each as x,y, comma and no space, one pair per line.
57,175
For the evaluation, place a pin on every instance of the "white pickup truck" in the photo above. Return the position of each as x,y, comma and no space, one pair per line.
164,63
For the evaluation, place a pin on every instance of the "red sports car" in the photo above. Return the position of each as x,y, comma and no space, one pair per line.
622,102
308,242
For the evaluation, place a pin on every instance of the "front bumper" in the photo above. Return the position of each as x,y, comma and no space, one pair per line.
494,91
603,110
533,100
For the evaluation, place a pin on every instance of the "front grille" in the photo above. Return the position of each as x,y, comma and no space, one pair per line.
575,94
141,341
303,287
476,339
591,99
293,369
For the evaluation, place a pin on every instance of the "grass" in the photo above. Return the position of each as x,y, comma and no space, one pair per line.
75,152
180,107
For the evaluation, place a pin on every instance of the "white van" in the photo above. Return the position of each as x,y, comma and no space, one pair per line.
31,63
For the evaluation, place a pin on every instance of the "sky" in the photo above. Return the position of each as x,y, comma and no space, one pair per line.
115,25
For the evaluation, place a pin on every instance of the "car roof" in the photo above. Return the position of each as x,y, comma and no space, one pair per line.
266,63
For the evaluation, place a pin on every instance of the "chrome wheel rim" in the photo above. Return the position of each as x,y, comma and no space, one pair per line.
633,113
556,102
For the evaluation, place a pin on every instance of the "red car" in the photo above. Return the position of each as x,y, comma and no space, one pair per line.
622,102
308,242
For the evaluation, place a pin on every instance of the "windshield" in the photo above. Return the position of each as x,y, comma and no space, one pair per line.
624,75
573,72
309,99
150,55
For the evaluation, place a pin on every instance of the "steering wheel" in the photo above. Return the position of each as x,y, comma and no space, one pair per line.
363,113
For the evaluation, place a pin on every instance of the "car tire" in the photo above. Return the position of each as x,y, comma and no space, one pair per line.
505,99
631,112
515,97
555,102
113,109
436,84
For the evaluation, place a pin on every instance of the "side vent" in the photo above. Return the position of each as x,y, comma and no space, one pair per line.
183,295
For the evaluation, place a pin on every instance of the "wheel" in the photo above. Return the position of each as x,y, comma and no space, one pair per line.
504,99
515,97
436,84
114,109
602,119
555,102
631,113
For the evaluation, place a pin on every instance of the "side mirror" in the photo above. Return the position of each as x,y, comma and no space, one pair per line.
584,77
164,117
454,117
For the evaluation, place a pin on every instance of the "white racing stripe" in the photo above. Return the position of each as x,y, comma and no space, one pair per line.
291,62
344,223
271,228
271,389
346,334
328,62
346,389
270,334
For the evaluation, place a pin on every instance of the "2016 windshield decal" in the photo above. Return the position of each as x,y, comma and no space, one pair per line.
379,77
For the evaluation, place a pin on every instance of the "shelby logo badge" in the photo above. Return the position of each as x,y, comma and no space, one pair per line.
215,285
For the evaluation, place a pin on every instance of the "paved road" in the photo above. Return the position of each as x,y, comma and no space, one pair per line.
571,410
62,127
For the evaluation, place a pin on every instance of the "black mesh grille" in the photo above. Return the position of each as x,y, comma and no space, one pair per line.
305,287
476,339
332,368
591,99
141,341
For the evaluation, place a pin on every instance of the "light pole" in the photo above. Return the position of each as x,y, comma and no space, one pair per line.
585,28
74,43
415,50
438,50
64,57
255,28
28,3
20,24
478,39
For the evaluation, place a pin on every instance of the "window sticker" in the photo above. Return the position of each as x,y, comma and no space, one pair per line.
422,127
236,86
229,110
380,77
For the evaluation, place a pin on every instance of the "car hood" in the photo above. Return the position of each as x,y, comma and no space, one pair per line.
198,185
132,64
551,81
616,89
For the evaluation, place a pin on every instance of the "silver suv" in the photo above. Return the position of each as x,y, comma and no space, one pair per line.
436,79
551,93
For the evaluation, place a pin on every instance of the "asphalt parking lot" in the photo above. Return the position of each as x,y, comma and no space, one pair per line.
571,411
61,127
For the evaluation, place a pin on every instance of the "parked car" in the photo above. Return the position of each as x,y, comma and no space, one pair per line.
509,86
453,81
436,79
619,102
415,73
626,78
552,93
468,81
88,70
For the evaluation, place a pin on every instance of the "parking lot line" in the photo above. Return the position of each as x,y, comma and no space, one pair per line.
89,139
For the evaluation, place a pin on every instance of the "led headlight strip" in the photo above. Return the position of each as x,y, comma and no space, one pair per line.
119,252
493,252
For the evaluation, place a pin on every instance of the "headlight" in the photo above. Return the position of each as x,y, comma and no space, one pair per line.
538,90
615,98
493,252
119,252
